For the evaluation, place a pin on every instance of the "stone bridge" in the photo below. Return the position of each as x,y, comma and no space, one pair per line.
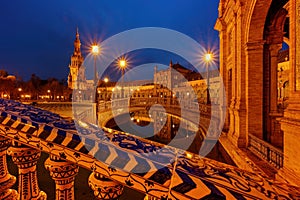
115,159
201,115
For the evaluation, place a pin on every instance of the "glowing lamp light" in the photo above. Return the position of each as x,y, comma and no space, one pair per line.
106,80
122,63
208,57
95,49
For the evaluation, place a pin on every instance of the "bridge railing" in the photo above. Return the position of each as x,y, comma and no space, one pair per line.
146,102
266,151
201,115
114,159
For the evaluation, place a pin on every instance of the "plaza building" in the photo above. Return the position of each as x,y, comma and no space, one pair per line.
76,78
259,76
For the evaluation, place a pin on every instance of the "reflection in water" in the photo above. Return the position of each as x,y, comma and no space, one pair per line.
166,129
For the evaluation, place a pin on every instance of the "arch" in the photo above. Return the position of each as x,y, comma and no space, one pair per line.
287,41
286,84
256,19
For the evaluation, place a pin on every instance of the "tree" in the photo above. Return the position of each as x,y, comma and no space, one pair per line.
3,73
34,86
7,85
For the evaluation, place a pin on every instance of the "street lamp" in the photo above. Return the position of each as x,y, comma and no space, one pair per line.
208,58
122,66
105,81
95,49
95,52
20,90
48,91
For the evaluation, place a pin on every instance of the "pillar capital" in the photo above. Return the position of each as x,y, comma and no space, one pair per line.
255,45
6,179
26,159
274,49
63,173
104,188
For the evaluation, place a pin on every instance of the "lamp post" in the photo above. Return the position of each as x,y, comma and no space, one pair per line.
122,65
208,57
20,90
105,81
49,95
95,52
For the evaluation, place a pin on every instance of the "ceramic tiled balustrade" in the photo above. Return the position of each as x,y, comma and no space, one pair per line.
115,159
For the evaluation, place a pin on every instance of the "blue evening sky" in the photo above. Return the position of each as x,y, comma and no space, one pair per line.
37,36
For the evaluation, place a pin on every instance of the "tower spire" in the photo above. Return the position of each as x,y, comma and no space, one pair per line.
171,64
77,44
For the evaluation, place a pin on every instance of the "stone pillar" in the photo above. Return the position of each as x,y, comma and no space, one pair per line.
26,159
274,49
224,72
275,135
239,75
290,123
253,120
6,179
104,188
63,173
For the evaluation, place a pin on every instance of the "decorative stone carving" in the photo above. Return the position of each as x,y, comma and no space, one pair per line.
63,173
26,159
6,179
104,188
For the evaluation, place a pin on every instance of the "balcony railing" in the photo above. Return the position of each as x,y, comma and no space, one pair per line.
266,151
114,159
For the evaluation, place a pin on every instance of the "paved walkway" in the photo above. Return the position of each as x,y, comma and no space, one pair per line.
64,109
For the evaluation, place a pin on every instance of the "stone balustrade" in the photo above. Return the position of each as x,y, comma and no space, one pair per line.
6,180
266,151
115,159
63,173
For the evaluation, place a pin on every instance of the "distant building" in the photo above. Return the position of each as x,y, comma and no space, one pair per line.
176,80
76,78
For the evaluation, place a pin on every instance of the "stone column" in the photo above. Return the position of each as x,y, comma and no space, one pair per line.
224,73
6,179
240,137
274,49
290,123
63,173
104,188
253,121
26,159
275,135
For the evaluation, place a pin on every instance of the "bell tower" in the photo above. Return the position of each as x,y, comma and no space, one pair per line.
76,76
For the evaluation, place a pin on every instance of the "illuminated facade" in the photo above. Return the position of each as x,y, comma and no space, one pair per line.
251,36
76,78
